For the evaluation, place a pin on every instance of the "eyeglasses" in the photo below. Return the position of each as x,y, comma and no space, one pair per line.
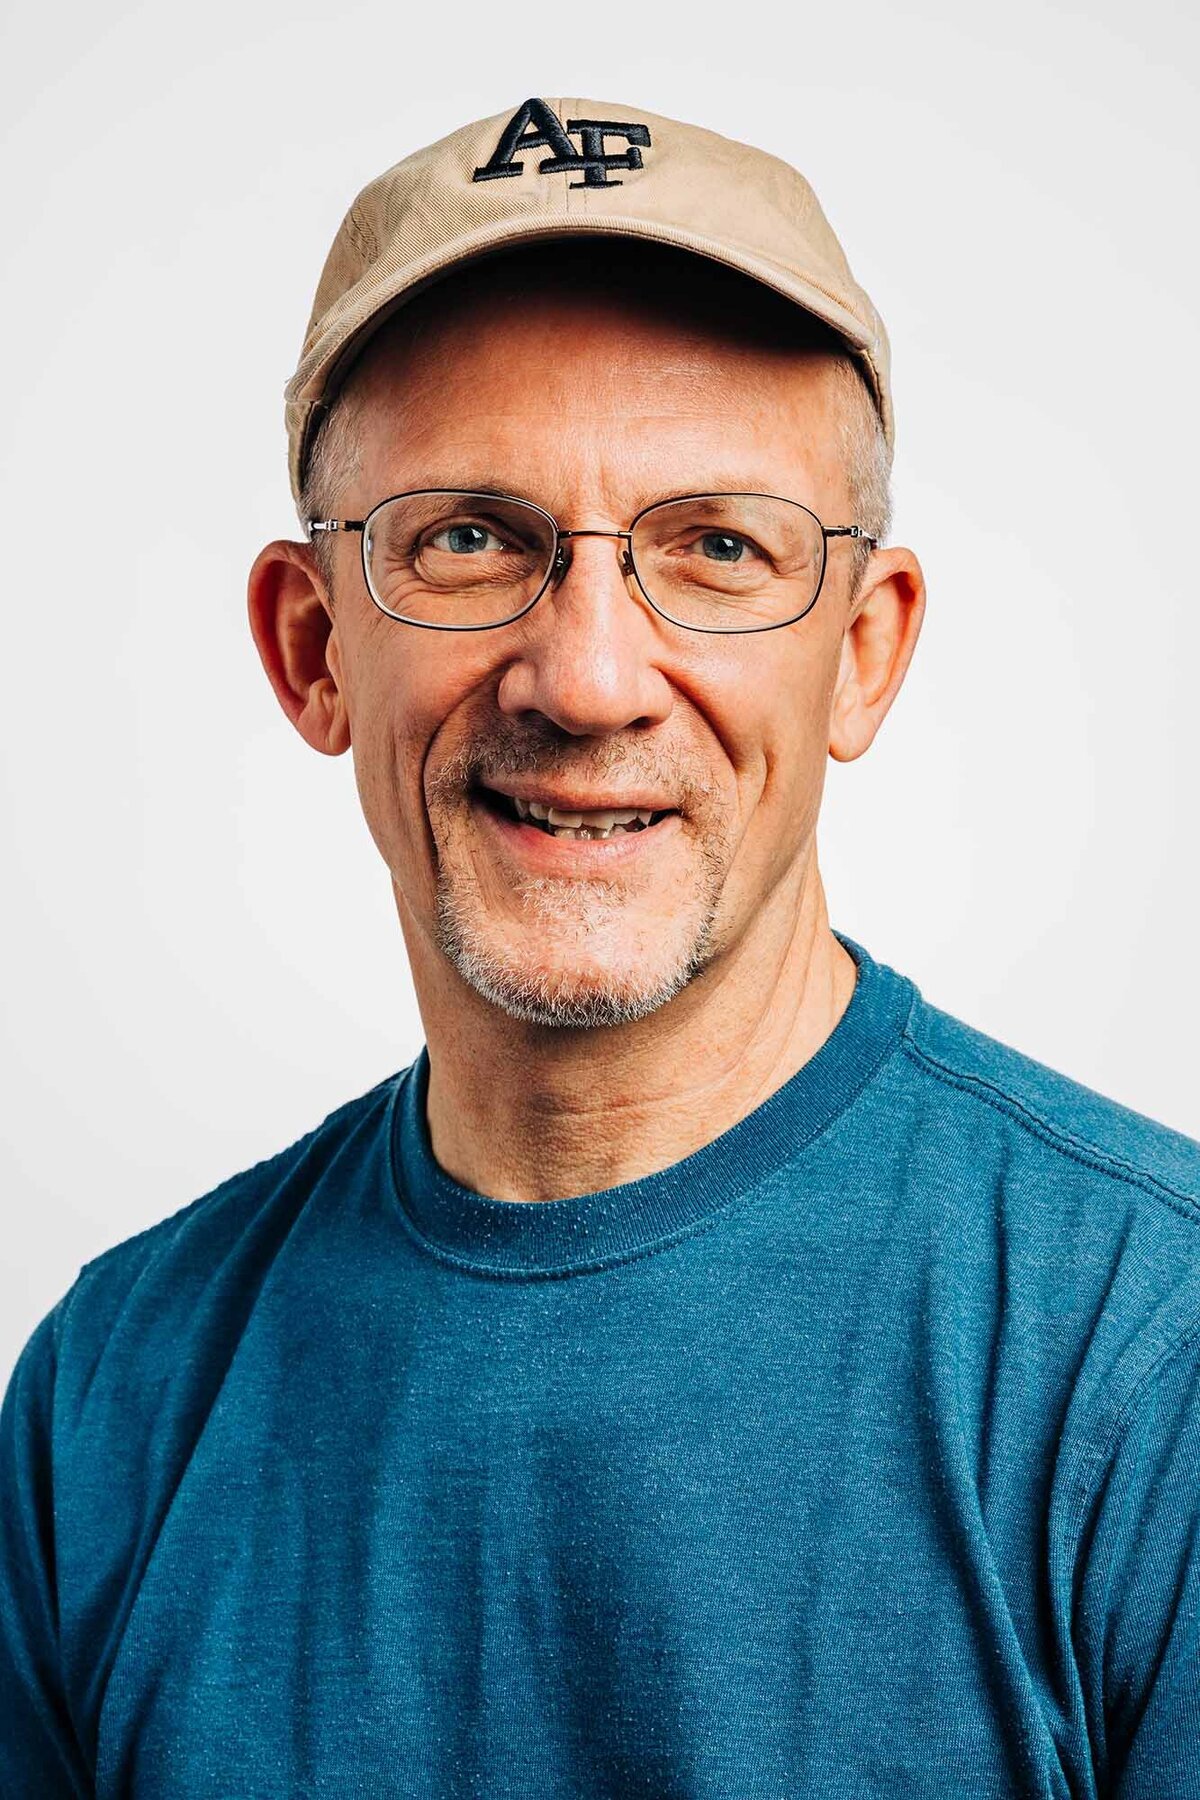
460,560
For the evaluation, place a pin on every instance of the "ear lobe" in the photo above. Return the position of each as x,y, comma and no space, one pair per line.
877,648
292,624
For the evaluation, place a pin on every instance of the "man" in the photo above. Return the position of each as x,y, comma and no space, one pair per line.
710,1370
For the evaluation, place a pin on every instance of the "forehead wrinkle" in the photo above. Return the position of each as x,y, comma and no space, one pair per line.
489,436
615,484
758,438
577,508
567,399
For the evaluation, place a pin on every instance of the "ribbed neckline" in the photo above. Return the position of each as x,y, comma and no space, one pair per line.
587,1231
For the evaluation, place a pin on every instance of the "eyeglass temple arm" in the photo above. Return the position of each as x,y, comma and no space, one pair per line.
315,525
850,531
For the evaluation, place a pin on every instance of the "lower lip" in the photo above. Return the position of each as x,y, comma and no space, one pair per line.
581,856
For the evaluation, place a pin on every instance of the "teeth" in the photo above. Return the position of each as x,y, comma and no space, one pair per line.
588,831
602,822
602,819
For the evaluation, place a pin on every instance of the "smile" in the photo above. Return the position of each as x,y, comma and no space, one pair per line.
561,821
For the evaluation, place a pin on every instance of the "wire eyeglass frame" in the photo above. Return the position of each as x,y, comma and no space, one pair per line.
560,560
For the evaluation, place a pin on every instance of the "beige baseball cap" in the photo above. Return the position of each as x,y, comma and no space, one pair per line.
571,168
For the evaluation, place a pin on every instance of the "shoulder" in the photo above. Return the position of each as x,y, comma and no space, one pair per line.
212,1253
1064,1233
995,1091
117,1384
1075,1220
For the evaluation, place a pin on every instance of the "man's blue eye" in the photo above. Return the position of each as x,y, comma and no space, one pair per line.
465,540
721,546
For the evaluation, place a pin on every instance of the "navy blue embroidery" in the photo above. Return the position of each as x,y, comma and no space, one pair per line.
534,127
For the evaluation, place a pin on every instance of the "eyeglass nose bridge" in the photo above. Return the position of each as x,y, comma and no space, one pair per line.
562,558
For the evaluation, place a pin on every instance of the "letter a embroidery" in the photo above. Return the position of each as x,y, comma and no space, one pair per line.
534,127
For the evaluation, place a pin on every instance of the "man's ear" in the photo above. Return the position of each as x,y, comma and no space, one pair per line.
291,618
885,622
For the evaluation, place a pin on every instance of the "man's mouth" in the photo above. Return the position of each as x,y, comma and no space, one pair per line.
573,822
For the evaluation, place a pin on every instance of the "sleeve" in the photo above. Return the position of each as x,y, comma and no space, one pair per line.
1141,1597
40,1756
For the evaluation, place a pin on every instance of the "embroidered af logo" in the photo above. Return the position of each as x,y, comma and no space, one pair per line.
535,127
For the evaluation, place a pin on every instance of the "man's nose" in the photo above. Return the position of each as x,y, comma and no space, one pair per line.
590,651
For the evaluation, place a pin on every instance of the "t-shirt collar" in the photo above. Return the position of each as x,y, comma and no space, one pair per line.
588,1231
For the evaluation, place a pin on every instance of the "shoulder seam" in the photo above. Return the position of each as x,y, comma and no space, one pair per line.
977,1087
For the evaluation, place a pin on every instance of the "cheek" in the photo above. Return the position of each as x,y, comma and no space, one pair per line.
410,695
769,705
392,718
777,739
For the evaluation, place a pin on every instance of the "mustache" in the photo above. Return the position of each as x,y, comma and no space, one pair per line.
538,747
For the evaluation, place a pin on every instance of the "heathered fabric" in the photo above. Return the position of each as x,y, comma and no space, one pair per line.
856,1455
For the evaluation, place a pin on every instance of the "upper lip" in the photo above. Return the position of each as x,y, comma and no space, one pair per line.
572,800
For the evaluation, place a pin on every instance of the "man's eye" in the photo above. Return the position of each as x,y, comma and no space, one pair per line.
724,546
465,540
729,548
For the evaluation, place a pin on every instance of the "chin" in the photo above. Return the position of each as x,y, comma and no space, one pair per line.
570,968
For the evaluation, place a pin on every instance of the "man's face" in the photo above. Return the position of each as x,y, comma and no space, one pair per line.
591,702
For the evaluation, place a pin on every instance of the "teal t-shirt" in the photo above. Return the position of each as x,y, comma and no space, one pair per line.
856,1455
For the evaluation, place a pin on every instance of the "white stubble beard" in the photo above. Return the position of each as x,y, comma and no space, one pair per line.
583,909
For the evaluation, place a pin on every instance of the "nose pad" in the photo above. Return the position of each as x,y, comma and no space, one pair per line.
562,560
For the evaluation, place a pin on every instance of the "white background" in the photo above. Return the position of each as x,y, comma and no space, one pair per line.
203,959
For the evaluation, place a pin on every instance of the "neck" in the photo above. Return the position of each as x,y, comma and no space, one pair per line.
531,1113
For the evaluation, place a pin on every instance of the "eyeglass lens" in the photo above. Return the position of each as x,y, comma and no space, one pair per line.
717,562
